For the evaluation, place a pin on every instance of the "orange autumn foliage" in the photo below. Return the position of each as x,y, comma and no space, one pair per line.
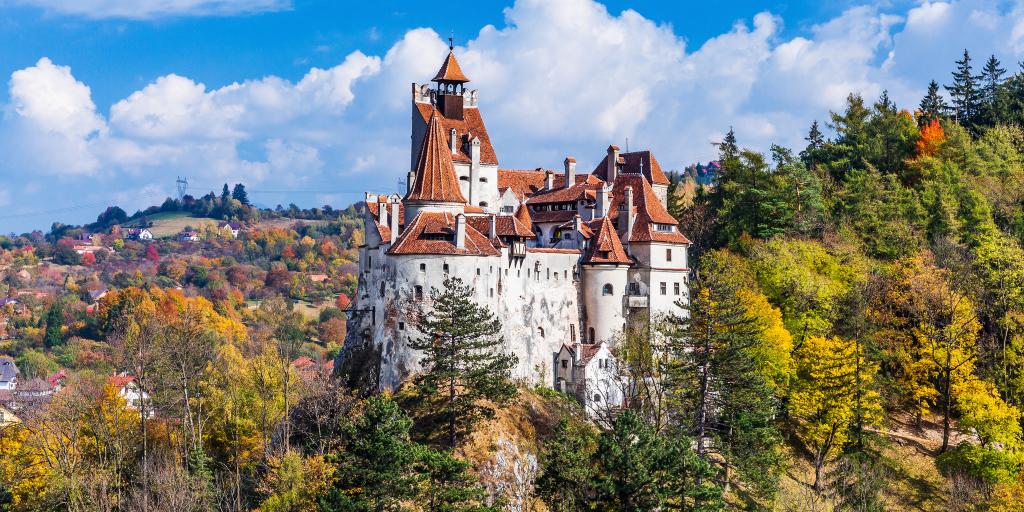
931,139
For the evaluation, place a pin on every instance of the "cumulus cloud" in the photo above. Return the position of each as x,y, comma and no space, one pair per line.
148,9
555,78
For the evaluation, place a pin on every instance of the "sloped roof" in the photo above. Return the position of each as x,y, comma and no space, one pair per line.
373,208
506,225
586,187
416,238
523,216
8,370
435,173
587,351
450,70
528,182
471,125
605,246
648,208
635,162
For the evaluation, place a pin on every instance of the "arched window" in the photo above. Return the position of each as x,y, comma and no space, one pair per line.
483,204
418,292
607,289
597,397
541,331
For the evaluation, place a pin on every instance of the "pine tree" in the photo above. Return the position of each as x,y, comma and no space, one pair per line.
567,480
933,105
728,148
52,337
375,471
449,486
724,402
239,194
225,193
463,362
965,93
992,77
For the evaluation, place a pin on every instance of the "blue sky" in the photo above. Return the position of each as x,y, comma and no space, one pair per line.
106,101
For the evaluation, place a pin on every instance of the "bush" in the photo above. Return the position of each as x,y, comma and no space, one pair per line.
986,464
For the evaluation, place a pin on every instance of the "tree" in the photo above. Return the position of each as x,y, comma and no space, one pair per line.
463,362
54,322
375,471
569,474
724,401
827,394
992,94
225,193
933,105
239,194
152,254
965,93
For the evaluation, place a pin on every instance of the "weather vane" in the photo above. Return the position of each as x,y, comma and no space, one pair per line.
451,40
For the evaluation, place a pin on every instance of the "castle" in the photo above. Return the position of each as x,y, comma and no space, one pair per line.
564,259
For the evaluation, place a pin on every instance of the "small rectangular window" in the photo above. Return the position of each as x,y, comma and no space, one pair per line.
418,292
478,271
401,326
664,288
675,288
668,254
423,267
565,363
445,268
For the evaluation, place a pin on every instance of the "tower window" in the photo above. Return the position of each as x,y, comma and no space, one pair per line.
445,268
664,288
423,267
675,288
463,178
592,335
418,292
607,289
483,179
401,326
483,204
541,331
668,254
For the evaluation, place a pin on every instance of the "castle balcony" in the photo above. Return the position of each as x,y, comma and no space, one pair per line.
518,249
637,301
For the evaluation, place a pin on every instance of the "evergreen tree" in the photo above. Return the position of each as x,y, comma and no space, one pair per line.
239,194
965,93
811,155
723,401
463,362
53,337
933,105
375,471
225,193
569,473
728,148
449,487
992,80
852,147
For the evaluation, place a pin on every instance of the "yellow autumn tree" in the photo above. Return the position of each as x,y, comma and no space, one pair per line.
831,396
23,470
773,350
985,414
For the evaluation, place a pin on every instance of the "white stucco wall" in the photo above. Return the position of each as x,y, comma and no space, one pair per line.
604,312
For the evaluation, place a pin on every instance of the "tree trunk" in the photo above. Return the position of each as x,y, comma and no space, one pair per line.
945,406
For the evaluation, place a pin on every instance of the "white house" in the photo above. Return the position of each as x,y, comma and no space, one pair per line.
230,228
130,391
592,373
8,374
138,234
562,259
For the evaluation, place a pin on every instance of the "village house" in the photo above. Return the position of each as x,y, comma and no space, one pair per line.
7,417
230,228
563,259
8,374
188,235
128,389
137,234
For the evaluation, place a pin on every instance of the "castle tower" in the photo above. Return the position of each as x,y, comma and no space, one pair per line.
605,268
434,187
476,165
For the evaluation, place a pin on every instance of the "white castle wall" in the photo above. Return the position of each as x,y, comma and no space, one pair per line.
535,299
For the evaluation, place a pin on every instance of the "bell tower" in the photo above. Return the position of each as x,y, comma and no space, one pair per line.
451,86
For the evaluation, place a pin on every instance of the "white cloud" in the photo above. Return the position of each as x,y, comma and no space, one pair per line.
148,9
555,78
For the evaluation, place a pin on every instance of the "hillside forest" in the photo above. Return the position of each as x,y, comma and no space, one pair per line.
854,341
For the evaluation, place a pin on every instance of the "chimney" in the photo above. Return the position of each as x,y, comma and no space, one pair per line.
396,218
613,163
409,181
474,169
630,216
494,226
382,212
549,180
460,231
570,171
604,201
474,151
577,226
453,141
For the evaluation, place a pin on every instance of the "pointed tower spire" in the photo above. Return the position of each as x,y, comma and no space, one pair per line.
435,174
605,246
450,71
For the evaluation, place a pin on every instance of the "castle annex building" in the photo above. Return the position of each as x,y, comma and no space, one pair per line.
562,258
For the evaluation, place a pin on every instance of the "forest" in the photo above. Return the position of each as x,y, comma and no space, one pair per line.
854,340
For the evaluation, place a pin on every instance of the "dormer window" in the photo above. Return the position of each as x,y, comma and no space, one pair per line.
463,178
666,228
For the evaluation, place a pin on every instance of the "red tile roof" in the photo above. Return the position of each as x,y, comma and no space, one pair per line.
435,173
552,250
634,163
527,182
587,351
373,207
506,225
523,216
555,216
648,208
416,238
471,125
450,70
585,188
605,246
